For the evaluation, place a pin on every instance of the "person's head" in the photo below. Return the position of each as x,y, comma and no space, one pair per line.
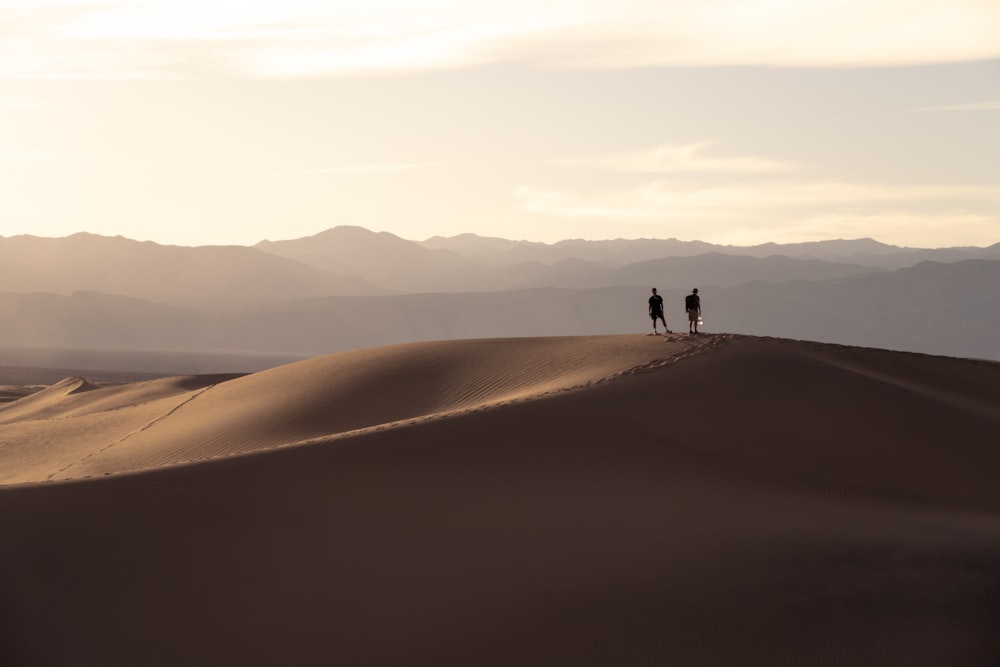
694,291
654,290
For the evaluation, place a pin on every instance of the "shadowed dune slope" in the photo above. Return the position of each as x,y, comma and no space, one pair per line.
73,429
765,502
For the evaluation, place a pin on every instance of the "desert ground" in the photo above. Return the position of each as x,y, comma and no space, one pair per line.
593,500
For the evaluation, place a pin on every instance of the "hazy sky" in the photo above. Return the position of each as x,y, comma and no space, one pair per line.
200,122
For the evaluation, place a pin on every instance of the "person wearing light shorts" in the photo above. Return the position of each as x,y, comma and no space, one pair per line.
692,303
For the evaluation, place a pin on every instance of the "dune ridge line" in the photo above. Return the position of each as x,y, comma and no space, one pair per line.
127,428
703,346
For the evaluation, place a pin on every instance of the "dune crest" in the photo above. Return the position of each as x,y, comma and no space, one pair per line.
74,429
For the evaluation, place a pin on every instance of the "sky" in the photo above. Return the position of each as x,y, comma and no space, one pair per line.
203,122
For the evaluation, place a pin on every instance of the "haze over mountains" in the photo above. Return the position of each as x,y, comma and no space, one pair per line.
348,288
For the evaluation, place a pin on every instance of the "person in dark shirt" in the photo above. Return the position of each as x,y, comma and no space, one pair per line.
656,311
692,304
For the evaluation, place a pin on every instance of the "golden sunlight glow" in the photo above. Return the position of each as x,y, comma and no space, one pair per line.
684,158
229,121
312,38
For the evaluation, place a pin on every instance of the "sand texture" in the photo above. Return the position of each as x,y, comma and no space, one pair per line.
612,500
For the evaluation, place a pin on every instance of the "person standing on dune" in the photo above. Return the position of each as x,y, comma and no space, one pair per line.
656,311
692,304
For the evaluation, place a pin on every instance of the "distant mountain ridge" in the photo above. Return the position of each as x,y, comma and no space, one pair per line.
353,261
383,259
469,262
864,251
714,269
947,309
89,291
179,275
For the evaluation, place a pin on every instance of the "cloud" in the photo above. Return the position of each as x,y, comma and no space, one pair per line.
299,38
675,158
740,213
35,44
977,106
661,198
369,168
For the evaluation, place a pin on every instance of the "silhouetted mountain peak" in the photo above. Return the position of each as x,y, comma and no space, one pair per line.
386,259
355,233
338,238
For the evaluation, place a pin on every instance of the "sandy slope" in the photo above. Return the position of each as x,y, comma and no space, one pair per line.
759,502
74,429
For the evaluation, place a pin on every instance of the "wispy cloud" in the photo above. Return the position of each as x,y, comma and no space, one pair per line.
660,199
976,106
675,158
368,168
294,38
789,210
37,42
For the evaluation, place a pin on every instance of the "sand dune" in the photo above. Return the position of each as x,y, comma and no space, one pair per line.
75,429
581,501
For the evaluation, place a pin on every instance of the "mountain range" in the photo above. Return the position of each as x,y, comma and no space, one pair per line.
348,288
